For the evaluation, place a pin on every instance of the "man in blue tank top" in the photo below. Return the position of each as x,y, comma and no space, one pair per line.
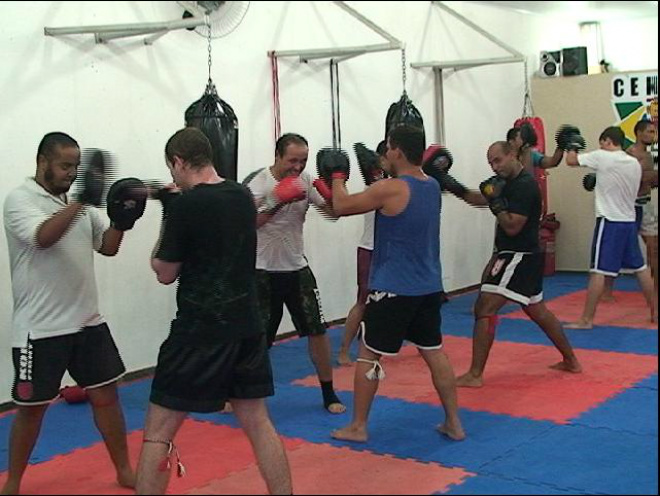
404,285
516,272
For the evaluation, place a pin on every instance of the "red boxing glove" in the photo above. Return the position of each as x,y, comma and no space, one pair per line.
73,395
288,190
323,189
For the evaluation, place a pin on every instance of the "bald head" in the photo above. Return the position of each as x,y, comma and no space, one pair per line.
502,146
502,159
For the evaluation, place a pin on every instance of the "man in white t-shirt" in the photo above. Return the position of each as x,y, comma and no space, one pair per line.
283,273
56,323
645,208
615,245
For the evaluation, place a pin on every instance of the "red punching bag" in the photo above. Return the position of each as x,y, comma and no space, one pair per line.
549,224
541,176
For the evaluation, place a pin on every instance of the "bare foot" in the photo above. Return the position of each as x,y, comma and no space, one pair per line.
455,433
127,479
336,408
344,359
580,324
227,409
470,381
573,366
10,489
351,434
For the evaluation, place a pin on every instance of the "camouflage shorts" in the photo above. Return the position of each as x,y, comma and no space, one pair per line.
299,292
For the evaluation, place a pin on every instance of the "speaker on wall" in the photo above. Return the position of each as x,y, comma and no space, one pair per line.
574,61
550,64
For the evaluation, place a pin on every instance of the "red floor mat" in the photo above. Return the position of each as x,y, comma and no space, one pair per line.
208,451
629,310
518,381
219,460
361,473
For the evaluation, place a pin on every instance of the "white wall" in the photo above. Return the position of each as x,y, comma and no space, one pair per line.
627,44
631,45
129,98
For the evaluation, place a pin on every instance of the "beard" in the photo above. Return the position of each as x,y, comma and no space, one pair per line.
56,188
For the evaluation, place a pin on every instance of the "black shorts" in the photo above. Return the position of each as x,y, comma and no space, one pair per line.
90,356
389,320
299,292
516,276
201,378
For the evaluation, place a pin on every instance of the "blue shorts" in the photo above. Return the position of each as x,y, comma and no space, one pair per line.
616,247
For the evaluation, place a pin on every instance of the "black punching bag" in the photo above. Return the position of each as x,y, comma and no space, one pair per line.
219,123
403,112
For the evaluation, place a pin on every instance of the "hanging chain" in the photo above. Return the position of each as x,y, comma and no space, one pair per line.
208,27
404,68
526,78
528,108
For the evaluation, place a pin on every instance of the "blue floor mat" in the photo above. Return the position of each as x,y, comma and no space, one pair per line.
611,449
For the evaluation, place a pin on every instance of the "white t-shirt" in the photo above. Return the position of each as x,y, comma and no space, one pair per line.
280,246
54,289
618,176
367,240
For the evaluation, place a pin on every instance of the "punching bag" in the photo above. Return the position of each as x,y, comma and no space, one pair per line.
549,223
217,120
404,112
541,176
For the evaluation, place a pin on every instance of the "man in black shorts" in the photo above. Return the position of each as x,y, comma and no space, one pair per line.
404,284
217,350
283,194
57,327
516,273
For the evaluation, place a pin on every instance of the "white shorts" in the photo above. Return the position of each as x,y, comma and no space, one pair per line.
649,226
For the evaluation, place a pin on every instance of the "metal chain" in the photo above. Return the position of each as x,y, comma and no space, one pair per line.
403,69
208,27
528,108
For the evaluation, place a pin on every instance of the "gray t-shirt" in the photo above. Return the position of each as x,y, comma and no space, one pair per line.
280,246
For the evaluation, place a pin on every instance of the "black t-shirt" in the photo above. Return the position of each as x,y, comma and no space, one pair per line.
211,231
524,197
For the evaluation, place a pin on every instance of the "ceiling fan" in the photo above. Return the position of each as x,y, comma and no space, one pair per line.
206,18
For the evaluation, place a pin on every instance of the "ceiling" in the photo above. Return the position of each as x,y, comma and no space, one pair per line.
575,11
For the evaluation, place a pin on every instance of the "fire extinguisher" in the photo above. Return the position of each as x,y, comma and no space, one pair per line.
547,241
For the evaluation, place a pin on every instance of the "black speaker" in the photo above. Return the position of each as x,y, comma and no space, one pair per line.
550,64
574,61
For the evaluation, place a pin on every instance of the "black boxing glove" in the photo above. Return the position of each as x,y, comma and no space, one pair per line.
492,190
95,167
126,201
589,182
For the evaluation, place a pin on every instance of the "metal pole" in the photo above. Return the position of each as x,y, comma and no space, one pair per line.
370,24
348,57
150,40
323,53
125,28
103,37
478,29
439,85
467,64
